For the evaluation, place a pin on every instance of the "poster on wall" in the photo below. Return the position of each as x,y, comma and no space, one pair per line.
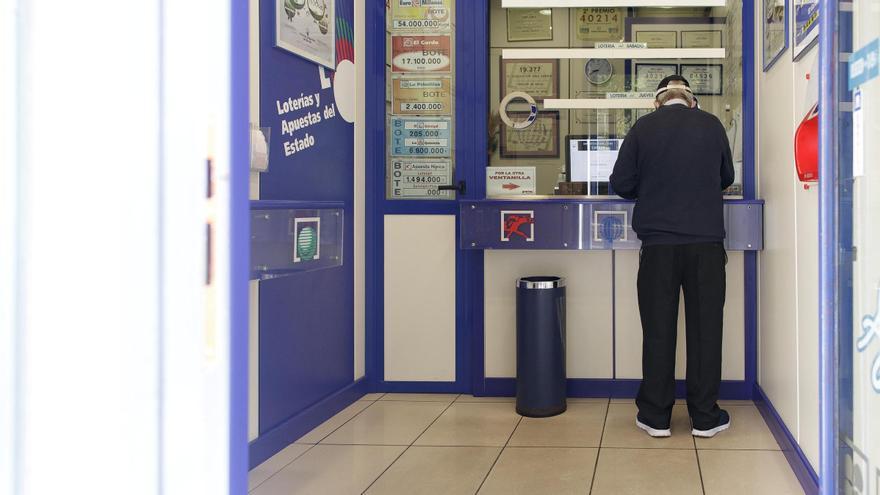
775,25
421,15
421,53
307,28
806,26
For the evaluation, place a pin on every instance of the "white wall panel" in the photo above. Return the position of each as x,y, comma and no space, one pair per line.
629,326
807,244
253,360
588,308
778,275
419,297
360,158
788,273
254,289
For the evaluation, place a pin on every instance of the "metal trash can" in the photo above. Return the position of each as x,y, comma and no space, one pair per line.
540,346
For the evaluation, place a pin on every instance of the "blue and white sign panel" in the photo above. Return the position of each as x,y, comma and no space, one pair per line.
864,64
421,136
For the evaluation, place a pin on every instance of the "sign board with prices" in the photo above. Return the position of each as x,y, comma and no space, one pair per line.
421,137
422,96
411,53
421,15
419,179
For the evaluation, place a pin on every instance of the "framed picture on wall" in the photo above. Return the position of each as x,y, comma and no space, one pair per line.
805,26
537,78
705,80
529,24
774,22
648,76
539,140
307,28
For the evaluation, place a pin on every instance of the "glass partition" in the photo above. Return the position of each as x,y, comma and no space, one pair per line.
566,85
420,100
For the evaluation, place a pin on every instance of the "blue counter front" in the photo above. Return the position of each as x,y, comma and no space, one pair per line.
584,224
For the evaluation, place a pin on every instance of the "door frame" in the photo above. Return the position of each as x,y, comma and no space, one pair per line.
472,50
470,45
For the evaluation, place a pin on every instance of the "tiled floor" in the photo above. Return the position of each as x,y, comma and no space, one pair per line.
449,444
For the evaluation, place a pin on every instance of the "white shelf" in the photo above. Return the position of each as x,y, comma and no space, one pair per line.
638,53
543,4
599,103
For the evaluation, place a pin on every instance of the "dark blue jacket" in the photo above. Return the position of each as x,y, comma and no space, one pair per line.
675,162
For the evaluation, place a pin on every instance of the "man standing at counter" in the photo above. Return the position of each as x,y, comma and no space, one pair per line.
675,162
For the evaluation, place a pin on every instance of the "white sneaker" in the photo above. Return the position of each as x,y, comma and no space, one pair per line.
653,431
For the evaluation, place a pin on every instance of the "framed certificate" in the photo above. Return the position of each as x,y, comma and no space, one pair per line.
658,39
702,39
529,24
599,24
704,79
537,78
648,76
774,22
539,140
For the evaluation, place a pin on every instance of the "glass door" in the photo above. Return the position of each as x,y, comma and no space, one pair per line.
859,203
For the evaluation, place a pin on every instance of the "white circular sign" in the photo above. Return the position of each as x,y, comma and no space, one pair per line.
533,110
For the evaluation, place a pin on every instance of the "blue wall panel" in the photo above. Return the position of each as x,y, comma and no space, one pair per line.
306,320
306,343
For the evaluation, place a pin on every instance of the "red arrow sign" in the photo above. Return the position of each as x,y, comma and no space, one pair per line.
510,186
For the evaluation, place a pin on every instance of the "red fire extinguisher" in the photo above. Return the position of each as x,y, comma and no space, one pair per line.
806,146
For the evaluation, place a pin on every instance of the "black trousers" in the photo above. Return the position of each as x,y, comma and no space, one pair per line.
664,270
